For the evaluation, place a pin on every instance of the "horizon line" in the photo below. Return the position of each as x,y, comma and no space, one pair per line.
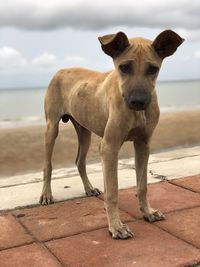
24,87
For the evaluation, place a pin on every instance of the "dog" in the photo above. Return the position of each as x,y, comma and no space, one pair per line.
120,105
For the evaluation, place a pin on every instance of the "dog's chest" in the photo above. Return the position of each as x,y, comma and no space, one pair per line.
138,131
136,134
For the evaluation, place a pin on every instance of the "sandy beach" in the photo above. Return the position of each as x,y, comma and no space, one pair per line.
22,148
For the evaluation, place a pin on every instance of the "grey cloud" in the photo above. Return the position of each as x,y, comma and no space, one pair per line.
91,15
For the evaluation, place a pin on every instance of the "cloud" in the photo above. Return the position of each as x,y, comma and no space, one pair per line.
100,14
192,34
197,54
10,58
46,60
75,60
13,60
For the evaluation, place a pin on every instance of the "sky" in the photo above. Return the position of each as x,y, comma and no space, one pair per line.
38,37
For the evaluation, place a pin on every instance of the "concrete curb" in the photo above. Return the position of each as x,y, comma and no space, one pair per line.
24,190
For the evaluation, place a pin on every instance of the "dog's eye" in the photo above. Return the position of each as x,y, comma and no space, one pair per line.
126,68
151,70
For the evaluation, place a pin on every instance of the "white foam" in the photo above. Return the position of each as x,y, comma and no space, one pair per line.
22,122
171,109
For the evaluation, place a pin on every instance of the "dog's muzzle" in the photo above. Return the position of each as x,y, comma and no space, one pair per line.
138,100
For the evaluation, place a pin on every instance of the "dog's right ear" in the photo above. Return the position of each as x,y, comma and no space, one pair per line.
114,44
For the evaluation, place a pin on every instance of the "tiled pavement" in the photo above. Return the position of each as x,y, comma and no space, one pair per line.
24,190
74,232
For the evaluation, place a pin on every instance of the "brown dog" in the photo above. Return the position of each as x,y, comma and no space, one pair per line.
120,105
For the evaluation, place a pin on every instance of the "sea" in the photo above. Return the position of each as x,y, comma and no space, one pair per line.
24,106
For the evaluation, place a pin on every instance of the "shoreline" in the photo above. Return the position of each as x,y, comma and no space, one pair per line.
40,121
22,147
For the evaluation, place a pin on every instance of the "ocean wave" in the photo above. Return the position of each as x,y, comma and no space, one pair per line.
21,122
38,120
169,109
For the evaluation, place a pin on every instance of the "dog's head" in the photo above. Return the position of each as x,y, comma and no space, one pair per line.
137,63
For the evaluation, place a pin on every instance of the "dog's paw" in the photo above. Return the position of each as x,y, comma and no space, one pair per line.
46,199
93,192
154,216
122,232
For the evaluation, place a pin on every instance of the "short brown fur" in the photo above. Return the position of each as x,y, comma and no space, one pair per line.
120,105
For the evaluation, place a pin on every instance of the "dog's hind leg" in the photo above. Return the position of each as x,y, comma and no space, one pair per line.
50,137
84,140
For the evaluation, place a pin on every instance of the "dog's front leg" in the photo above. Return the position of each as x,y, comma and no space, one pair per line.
141,161
109,153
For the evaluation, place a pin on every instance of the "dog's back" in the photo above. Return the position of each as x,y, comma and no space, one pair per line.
73,91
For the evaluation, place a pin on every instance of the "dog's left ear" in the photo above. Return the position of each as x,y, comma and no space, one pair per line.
114,44
166,43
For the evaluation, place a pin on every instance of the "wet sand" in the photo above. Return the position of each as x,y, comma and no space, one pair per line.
22,148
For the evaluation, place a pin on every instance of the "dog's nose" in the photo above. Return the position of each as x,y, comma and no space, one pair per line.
138,100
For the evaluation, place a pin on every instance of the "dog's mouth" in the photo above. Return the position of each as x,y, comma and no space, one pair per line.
138,100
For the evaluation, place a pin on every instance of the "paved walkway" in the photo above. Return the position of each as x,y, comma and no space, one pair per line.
24,190
74,232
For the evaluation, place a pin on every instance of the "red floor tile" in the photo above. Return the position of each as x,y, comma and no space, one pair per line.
151,247
26,256
12,233
184,224
66,218
191,182
163,196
